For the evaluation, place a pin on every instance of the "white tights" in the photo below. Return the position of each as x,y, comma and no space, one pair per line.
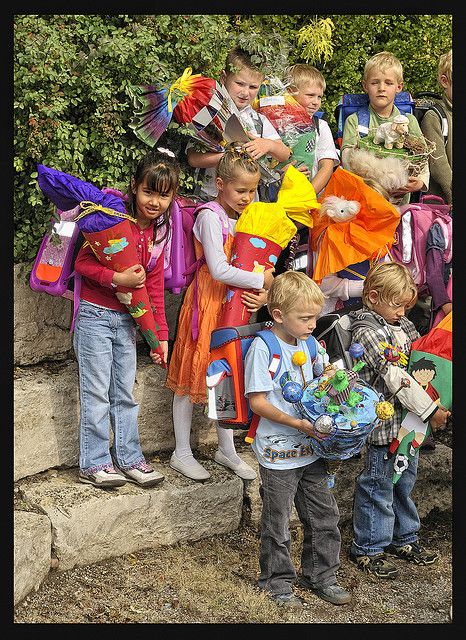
182,419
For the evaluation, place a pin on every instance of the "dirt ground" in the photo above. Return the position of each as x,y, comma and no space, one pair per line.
213,581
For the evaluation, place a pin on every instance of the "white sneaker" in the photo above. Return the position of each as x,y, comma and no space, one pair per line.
242,469
143,475
194,471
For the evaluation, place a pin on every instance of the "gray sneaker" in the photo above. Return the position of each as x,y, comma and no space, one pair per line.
104,478
333,593
143,475
287,600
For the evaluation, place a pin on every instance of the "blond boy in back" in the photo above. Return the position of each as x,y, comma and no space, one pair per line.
382,80
432,127
241,80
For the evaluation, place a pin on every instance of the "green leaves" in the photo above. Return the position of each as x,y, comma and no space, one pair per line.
71,72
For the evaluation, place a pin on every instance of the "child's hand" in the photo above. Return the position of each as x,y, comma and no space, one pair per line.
253,301
302,167
439,419
413,184
155,357
268,278
447,307
257,147
134,277
306,427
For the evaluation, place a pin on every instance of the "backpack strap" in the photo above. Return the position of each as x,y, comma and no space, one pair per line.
158,248
440,111
195,267
446,230
76,297
275,354
311,343
315,120
363,117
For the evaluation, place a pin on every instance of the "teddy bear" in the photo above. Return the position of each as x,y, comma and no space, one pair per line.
392,133
339,209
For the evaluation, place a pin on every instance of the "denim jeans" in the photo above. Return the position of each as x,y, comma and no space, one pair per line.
105,346
383,512
318,512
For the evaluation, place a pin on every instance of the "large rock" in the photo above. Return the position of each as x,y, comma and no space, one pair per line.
42,322
91,524
46,416
32,547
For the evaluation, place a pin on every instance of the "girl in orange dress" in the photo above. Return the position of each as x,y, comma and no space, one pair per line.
237,179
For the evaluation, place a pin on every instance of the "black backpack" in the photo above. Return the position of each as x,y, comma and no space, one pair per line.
429,101
334,331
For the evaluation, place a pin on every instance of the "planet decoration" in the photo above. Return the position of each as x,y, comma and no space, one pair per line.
384,410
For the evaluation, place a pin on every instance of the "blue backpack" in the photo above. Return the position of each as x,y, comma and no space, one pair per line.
359,102
225,372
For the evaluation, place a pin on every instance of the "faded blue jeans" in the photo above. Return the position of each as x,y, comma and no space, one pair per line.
383,513
105,346
318,512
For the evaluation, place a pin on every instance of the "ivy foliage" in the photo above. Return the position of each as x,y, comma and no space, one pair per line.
71,73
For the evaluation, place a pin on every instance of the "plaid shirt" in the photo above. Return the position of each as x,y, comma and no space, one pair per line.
370,337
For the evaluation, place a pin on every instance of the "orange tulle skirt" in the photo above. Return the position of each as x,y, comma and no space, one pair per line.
188,364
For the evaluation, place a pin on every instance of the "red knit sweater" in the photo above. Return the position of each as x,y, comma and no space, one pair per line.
96,281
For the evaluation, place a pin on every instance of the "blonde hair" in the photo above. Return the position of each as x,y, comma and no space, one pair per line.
292,288
392,281
236,160
383,61
297,74
238,59
445,65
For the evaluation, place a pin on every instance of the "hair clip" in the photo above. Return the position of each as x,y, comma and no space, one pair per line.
166,151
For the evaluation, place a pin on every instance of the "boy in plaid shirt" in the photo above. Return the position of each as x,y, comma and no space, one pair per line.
385,518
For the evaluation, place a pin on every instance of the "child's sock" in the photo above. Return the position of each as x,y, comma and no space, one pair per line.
182,419
393,447
226,444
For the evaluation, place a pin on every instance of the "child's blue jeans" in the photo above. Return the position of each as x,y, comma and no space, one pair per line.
105,346
318,511
383,513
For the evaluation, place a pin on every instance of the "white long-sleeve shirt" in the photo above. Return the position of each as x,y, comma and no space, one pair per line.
208,230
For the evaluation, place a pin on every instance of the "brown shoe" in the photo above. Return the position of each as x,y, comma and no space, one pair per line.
377,565
413,552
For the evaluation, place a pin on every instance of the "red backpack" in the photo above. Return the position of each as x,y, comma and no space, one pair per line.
412,231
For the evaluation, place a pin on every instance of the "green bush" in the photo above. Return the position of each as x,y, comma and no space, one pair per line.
71,73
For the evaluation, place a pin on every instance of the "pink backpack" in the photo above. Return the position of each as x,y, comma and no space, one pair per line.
184,266
412,231
180,261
